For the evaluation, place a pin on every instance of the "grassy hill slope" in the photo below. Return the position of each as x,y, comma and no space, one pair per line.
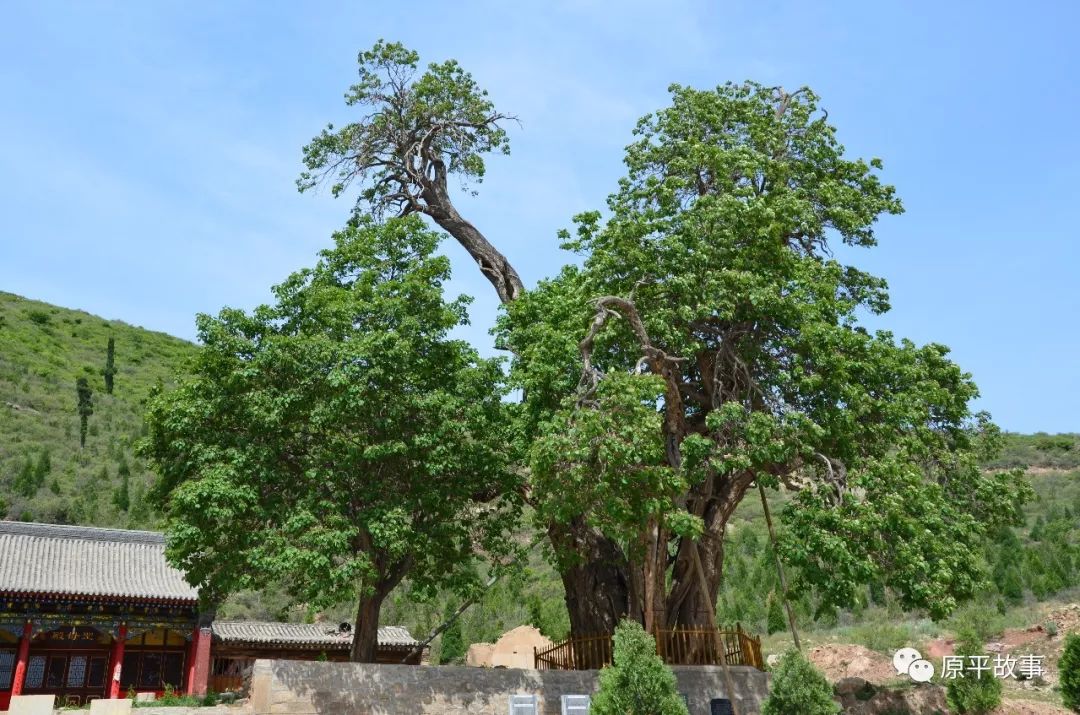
44,474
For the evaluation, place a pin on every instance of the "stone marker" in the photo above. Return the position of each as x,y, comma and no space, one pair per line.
721,706
31,705
145,697
119,706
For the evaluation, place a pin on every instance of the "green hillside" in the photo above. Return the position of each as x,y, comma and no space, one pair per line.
44,474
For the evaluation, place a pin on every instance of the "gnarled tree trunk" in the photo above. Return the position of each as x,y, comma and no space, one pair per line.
597,591
365,643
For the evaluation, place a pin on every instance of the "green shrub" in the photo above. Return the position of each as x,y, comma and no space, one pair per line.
453,646
638,683
975,693
985,625
1069,672
39,317
798,688
775,622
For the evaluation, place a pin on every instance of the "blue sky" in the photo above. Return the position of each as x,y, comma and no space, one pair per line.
150,149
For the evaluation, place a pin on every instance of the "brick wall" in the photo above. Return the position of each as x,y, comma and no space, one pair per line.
314,688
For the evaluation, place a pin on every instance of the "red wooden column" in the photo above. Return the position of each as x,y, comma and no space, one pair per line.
24,656
189,663
202,662
117,662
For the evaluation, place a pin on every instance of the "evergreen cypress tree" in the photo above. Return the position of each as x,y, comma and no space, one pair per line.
536,615
798,688
1069,672
43,467
86,407
25,483
638,683
775,622
110,367
976,693
122,495
1012,587
453,643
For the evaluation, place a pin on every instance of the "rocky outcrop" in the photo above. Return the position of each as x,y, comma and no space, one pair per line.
858,696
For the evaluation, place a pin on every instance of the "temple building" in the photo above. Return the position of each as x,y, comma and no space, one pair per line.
89,613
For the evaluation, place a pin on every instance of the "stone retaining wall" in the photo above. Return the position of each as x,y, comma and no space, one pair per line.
314,688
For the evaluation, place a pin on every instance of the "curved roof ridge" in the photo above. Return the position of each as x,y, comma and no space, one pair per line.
91,533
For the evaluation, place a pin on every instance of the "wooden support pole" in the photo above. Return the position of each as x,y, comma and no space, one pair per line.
23,657
710,607
779,567
202,661
117,662
189,666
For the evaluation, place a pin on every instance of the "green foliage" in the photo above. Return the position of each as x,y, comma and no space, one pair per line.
726,349
798,688
448,122
85,406
638,682
171,698
977,692
39,362
453,646
1058,451
110,365
1069,672
776,621
335,441
122,495
978,623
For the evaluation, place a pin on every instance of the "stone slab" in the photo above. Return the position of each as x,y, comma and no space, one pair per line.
32,705
119,706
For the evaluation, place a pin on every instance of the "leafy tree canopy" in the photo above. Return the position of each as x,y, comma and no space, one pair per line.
711,339
338,439
708,339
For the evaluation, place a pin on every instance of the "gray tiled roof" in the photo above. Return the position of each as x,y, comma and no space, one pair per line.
303,634
86,561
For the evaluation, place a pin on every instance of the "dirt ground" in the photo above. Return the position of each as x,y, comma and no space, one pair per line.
839,660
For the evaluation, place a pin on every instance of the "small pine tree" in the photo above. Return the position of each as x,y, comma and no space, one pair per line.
798,688
453,643
25,483
42,468
976,693
1069,672
775,622
122,495
54,486
536,616
638,683
1012,587
110,367
86,407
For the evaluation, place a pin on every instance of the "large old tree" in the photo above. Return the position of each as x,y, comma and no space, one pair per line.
338,440
709,340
